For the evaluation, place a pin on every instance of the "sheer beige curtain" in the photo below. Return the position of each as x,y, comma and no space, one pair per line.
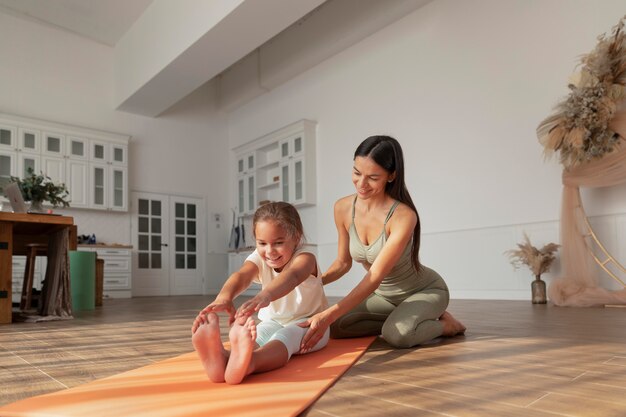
579,284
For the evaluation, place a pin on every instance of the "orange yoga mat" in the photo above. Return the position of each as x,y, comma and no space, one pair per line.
178,387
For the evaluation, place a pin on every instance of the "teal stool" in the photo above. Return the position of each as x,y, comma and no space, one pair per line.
83,280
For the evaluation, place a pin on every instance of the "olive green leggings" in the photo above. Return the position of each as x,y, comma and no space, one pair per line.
410,323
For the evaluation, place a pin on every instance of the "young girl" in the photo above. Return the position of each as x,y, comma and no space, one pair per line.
291,293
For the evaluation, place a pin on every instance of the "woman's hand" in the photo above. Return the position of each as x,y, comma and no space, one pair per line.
317,324
216,306
262,299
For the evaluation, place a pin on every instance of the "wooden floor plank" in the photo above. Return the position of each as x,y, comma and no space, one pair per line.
578,406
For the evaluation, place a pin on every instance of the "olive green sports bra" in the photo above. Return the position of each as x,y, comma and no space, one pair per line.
361,252
403,278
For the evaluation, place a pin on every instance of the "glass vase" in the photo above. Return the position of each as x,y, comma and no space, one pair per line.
36,206
538,288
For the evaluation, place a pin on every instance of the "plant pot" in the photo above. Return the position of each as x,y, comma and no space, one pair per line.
36,206
538,288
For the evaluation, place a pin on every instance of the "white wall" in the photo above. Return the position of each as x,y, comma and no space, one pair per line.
53,75
462,85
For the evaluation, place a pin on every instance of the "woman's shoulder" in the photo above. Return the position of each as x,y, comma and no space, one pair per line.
403,213
344,203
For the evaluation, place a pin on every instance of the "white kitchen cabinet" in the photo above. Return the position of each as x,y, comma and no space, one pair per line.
77,148
109,187
93,164
109,175
117,280
29,140
19,150
77,177
246,194
53,144
118,190
53,167
279,166
27,161
246,183
8,137
292,185
8,165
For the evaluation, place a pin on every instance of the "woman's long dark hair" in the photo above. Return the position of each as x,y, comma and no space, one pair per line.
387,152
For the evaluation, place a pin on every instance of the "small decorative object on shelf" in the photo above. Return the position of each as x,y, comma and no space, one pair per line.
538,261
38,188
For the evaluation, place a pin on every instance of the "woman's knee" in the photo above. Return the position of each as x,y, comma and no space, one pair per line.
336,332
397,338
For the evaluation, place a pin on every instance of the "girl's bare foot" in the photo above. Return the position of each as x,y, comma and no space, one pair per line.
208,343
451,326
242,338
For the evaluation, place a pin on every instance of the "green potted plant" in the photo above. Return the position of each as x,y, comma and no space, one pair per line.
38,188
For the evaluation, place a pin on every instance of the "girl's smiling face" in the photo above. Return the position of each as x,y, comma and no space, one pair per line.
274,244
369,178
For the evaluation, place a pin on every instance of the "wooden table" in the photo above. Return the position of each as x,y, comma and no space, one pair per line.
16,231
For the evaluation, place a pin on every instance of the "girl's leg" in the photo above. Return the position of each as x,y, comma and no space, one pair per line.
274,354
242,337
366,319
208,343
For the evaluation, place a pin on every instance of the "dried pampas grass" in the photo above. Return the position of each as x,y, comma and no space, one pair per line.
579,130
537,260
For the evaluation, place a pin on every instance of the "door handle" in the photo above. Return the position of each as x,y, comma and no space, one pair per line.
163,244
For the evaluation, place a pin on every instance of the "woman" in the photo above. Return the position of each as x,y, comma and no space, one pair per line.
379,227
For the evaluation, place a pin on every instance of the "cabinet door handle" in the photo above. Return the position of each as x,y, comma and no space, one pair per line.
163,244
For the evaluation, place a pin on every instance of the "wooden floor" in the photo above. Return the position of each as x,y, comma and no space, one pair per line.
516,359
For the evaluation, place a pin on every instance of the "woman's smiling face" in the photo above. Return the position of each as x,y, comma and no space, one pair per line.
369,178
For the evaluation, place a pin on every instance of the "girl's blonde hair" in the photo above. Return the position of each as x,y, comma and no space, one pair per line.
283,214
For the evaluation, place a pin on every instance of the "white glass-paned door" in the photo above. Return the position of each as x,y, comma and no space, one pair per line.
150,243
186,269
168,240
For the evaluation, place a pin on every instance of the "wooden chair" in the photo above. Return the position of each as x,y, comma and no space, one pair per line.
32,251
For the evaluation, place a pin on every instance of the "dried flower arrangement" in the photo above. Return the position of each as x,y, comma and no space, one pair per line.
579,129
537,260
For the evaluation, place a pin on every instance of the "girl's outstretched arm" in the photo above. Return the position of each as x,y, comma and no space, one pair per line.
234,285
302,266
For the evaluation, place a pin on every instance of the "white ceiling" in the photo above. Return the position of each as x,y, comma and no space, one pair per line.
148,84
104,21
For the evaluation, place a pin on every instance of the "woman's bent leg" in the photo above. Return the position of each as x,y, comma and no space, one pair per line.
415,320
366,319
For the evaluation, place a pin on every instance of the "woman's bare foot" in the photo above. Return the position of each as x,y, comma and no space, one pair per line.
208,343
242,338
451,326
